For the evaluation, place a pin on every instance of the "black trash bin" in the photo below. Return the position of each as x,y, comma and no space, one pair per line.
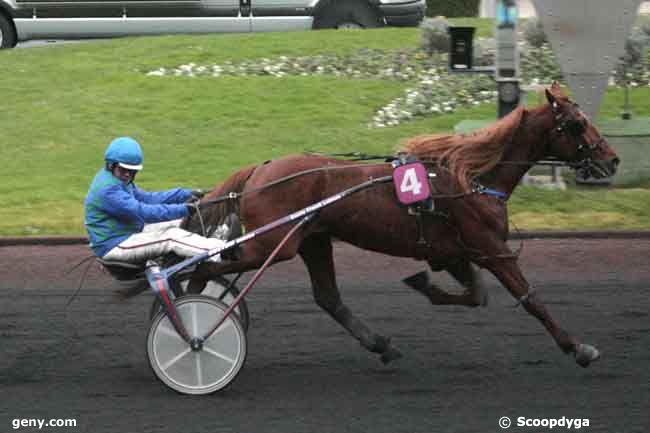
461,49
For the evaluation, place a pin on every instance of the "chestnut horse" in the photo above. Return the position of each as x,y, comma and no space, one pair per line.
476,174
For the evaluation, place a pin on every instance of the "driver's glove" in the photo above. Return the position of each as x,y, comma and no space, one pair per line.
197,194
192,206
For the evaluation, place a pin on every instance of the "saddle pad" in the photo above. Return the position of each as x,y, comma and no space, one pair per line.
411,183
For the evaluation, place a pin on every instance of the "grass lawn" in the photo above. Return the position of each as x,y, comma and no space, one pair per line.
61,105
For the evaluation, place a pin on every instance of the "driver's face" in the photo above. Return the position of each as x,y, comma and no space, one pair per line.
123,174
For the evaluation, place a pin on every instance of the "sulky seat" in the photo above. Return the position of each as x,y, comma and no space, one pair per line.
123,271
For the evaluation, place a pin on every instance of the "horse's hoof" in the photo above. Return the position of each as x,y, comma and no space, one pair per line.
483,295
478,298
391,354
419,282
388,352
481,290
586,354
380,344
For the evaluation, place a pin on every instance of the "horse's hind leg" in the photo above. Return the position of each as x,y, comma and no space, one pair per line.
463,271
316,252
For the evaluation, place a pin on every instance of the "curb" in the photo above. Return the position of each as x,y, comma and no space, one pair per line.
42,240
603,234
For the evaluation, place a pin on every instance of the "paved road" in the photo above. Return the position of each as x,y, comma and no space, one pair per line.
463,369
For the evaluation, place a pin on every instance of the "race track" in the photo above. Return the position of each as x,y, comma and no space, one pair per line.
463,369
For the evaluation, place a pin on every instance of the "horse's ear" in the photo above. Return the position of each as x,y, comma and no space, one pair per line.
555,87
550,98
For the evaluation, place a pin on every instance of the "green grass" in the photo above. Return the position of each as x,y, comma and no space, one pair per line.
581,208
61,105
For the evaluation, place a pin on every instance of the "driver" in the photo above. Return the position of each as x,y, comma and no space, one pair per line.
116,212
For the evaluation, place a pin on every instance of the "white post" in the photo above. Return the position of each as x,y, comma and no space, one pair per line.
487,8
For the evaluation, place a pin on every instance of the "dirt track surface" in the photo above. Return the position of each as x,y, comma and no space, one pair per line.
462,370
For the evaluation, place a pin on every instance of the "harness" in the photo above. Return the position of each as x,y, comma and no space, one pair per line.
480,189
419,209
565,123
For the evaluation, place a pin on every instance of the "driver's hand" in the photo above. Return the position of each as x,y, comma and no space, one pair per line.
198,193
192,206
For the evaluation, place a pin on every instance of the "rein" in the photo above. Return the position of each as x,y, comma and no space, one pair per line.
360,156
238,195
357,156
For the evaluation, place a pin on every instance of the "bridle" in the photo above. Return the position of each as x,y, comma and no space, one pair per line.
569,125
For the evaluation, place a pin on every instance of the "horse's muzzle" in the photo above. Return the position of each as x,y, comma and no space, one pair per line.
604,167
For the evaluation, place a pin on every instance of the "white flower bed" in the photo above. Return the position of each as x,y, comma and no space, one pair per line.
432,89
436,93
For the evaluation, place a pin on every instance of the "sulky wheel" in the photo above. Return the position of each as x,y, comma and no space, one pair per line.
216,288
207,368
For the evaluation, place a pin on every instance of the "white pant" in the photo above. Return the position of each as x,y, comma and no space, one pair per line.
159,239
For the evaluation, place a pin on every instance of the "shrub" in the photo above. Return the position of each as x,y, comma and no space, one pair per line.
434,35
645,28
635,46
534,33
539,65
485,50
453,8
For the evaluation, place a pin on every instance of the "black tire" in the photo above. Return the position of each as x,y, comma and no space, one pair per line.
7,33
348,14
241,311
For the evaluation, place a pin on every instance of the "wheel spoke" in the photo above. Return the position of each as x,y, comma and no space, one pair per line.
219,355
175,359
199,380
169,332
227,324
195,324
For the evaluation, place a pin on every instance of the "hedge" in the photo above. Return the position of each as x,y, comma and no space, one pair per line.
452,8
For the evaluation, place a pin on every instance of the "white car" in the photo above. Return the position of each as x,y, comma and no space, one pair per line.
22,20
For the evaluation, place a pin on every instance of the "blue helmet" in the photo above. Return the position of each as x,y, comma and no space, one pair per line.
126,152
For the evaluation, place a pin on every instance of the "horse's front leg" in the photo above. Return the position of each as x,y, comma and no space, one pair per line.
509,274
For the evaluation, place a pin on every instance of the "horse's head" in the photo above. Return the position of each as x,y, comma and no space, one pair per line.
575,139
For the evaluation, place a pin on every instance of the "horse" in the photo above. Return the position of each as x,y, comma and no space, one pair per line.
476,173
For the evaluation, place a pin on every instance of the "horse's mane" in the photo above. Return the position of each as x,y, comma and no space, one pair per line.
215,214
467,155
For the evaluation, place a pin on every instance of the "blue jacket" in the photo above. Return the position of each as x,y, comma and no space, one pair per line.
115,210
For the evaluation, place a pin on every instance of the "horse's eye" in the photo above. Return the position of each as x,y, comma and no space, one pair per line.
577,128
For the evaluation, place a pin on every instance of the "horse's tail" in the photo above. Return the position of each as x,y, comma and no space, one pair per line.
130,290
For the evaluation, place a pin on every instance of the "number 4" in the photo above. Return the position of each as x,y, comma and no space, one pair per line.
410,182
